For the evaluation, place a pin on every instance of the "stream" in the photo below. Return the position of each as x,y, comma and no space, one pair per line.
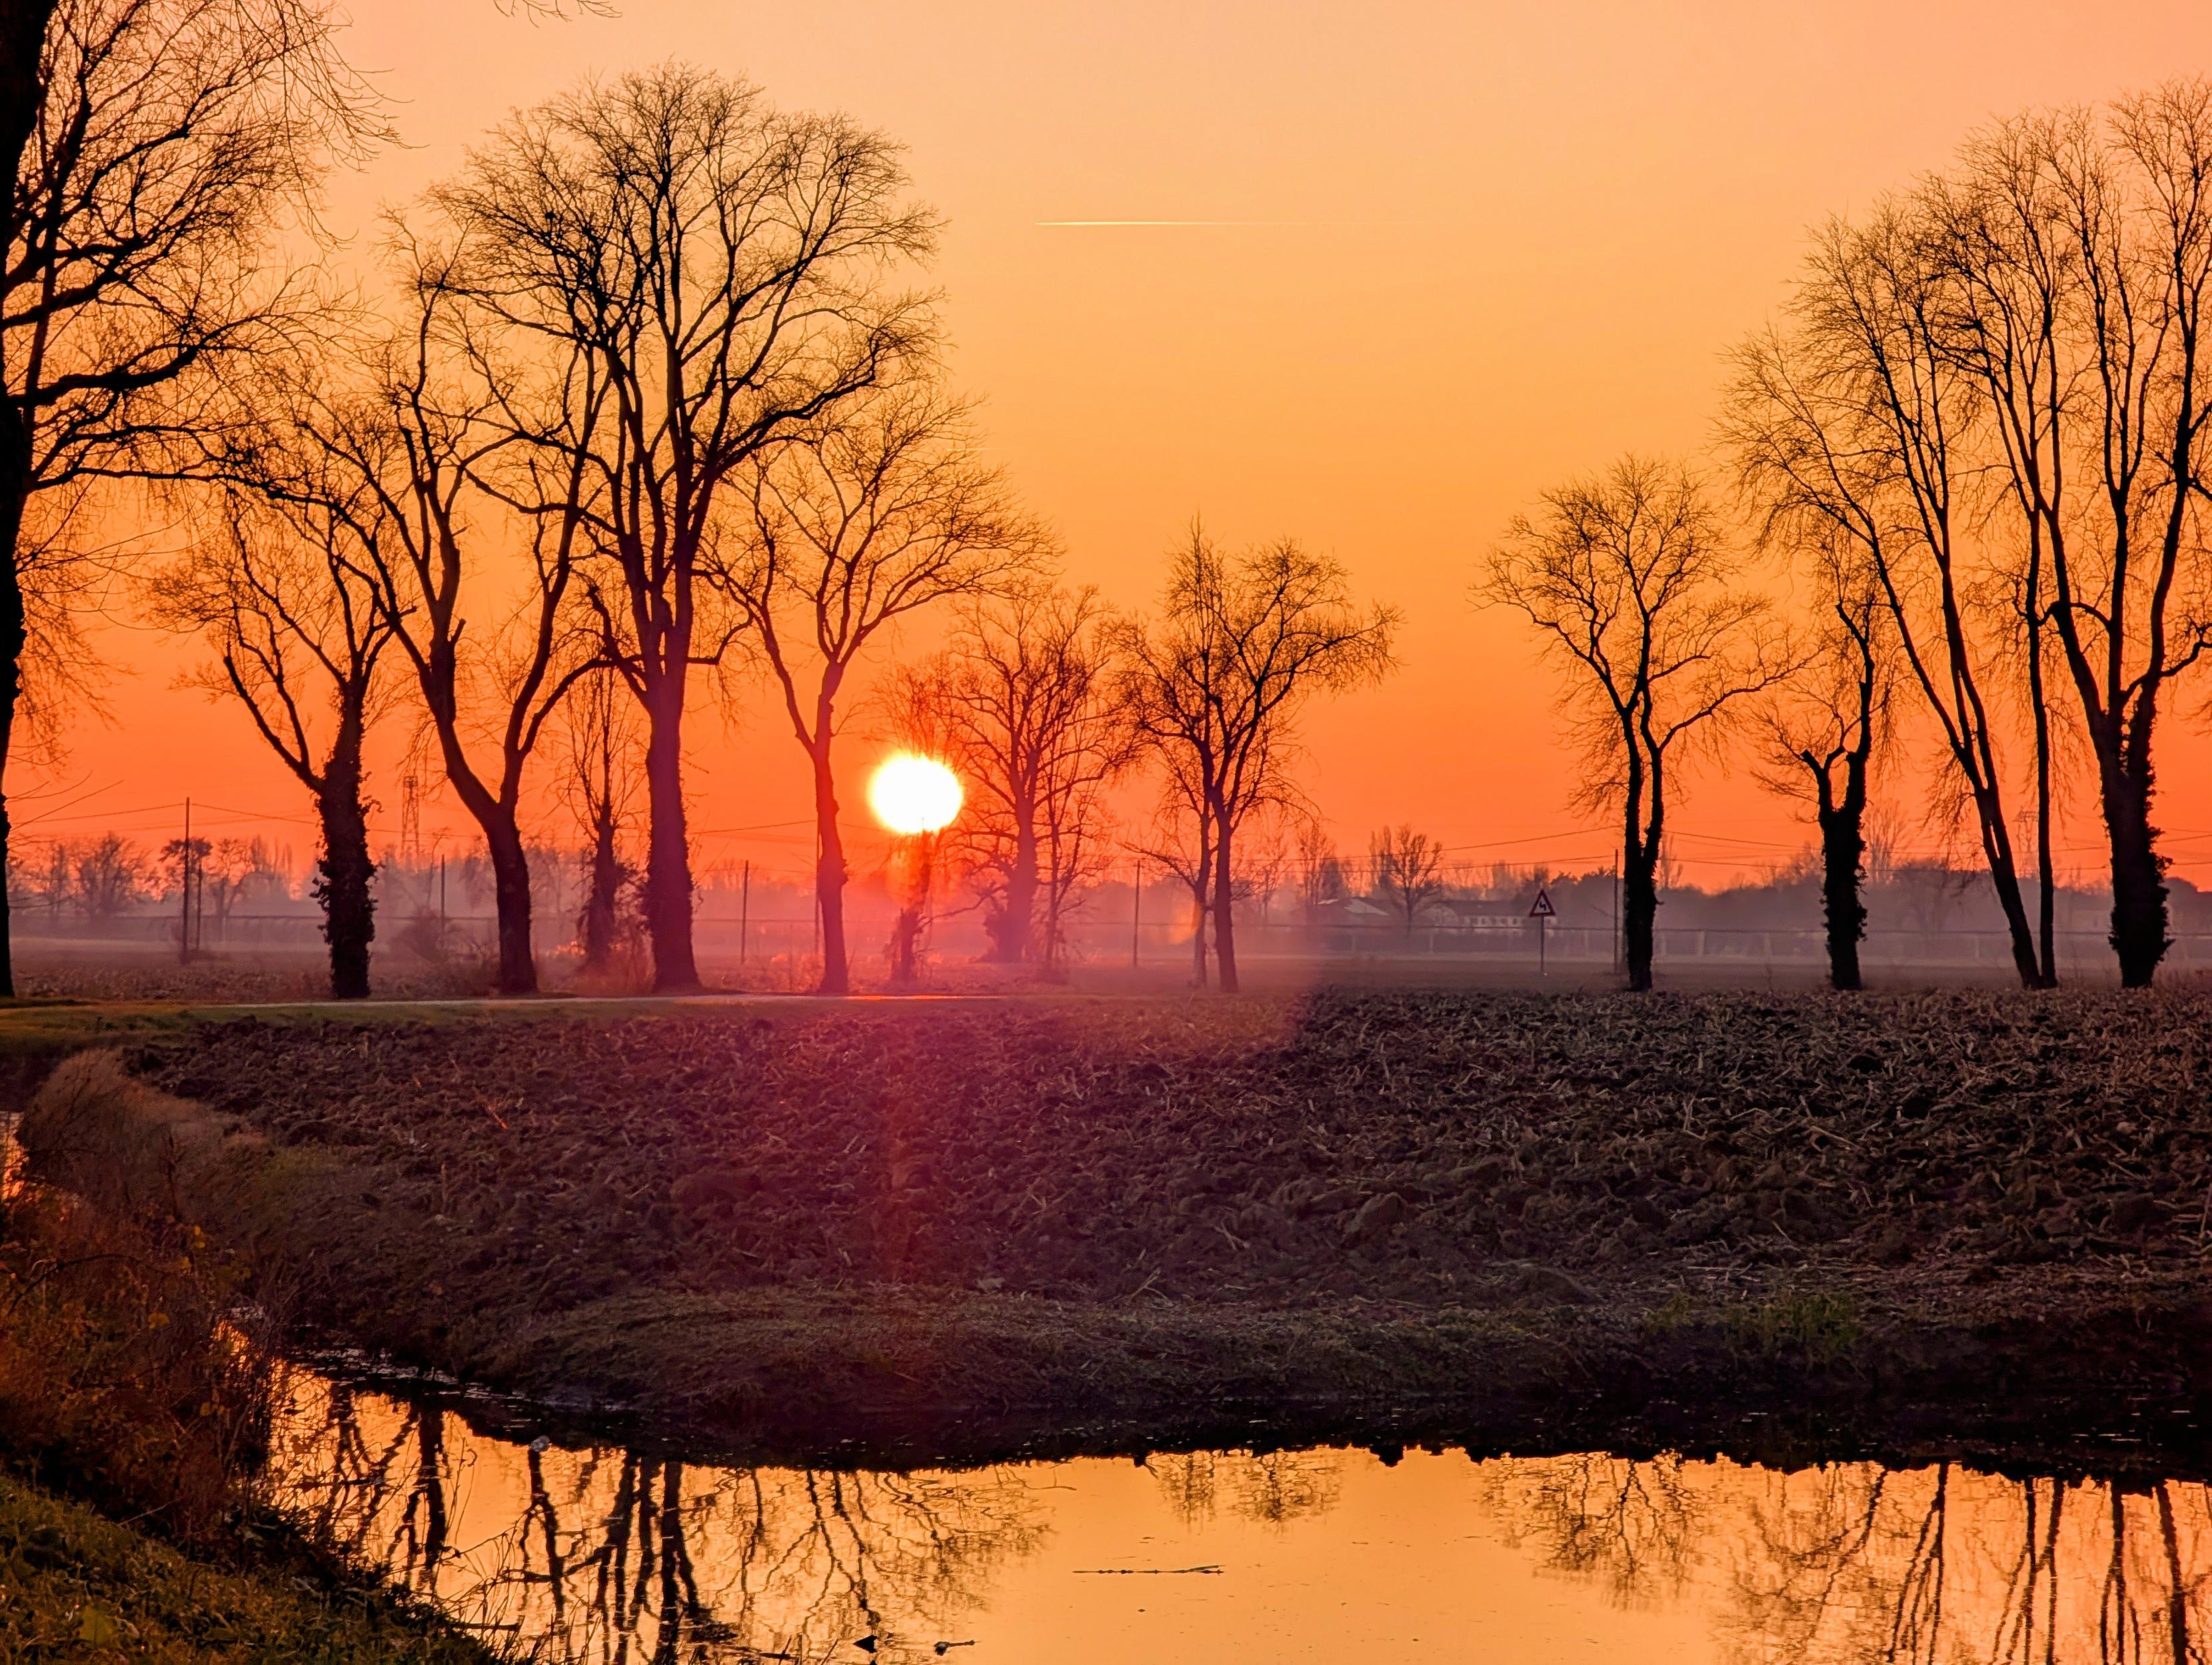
567,1556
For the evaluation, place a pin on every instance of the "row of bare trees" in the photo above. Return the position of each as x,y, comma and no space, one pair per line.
646,386
1975,440
652,401
654,397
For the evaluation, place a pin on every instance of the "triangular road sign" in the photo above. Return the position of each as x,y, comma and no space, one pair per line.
1541,908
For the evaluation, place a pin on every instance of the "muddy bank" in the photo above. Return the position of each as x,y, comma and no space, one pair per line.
1966,1222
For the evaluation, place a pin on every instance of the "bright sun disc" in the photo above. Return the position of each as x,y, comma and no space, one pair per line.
912,795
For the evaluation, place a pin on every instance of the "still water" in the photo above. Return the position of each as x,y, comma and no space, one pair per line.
602,1556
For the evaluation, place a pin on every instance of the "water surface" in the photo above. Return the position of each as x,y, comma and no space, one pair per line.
605,1555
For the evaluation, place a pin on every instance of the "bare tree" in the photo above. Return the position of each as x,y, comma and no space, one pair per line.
722,266
1321,875
2075,252
27,69
158,146
865,521
1407,868
601,789
230,871
45,882
292,608
110,873
1823,727
1215,684
1020,704
1858,420
1630,578
1180,839
424,456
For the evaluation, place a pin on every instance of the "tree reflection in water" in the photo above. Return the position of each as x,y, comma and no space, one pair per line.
1628,1521
593,1557
1271,1487
1856,1562
614,1556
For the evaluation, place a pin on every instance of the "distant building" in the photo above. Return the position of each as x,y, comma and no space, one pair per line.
1351,911
1471,913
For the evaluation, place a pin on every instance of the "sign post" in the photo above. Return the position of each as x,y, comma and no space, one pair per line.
1543,913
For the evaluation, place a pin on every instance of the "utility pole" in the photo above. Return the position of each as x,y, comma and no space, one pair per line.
184,891
1616,912
1136,911
744,911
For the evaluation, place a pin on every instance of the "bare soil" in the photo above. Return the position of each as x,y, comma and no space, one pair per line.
960,1229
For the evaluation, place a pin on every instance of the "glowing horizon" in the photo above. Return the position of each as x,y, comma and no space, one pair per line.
1528,236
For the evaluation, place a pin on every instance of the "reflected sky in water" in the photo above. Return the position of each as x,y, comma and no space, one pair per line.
605,1556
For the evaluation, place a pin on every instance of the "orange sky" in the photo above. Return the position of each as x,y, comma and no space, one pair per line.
1505,243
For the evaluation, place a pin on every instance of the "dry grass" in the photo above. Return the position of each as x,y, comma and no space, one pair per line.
123,1372
128,1381
74,1587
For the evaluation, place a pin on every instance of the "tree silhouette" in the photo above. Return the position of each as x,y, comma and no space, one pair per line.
418,451
157,146
1020,704
1407,867
601,788
1215,684
1822,729
291,607
721,268
1628,576
2075,251
1855,421
861,522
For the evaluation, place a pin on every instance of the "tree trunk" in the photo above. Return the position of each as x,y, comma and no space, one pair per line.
829,877
22,92
602,898
343,872
1842,852
2139,910
2046,901
2004,878
1011,933
910,875
510,883
495,818
23,45
1639,912
1198,932
15,494
667,852
1225,923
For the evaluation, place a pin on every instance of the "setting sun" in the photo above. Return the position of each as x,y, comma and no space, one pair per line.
912,795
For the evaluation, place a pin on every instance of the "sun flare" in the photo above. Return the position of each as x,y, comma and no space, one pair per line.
912,795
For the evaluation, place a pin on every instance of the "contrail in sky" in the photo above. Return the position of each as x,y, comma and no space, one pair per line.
1177,222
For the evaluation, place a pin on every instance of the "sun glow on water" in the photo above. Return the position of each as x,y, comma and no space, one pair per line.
912,795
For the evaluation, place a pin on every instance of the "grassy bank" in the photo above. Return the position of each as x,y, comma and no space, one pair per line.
135,1415
75,1586
949,1230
